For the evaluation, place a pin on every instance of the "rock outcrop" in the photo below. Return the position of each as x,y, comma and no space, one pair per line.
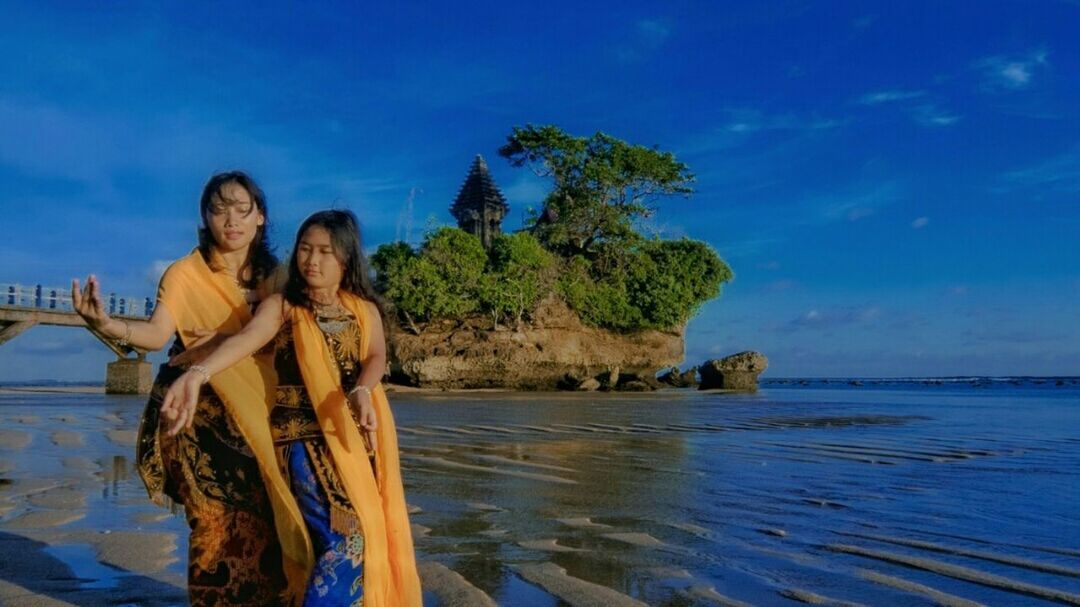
680,379
736,372
547,353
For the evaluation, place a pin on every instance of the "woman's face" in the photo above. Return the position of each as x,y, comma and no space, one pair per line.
233,218
316,260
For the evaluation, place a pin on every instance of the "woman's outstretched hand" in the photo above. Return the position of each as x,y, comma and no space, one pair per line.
207,342
180,401
88,303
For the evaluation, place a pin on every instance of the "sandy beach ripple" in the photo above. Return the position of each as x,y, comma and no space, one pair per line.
572,590
499,459
644,540
445,463
66,438
43,519
978,554
61,498
452,589
709,595
548,545
79,463
14,440
582,523
124,438
961,573
940,598
811,598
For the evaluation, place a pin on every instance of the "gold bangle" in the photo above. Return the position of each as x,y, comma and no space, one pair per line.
361,388
125,341
202,371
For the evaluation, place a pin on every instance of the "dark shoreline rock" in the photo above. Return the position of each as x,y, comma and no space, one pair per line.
736,372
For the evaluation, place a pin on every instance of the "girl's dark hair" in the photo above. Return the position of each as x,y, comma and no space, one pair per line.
345,238
261,258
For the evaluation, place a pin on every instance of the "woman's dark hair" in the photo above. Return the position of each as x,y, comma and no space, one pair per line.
345,238
262,258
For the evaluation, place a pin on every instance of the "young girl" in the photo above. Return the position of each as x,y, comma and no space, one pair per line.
222,467
330,419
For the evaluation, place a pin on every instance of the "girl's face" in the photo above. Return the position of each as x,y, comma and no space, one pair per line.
317,261
233,218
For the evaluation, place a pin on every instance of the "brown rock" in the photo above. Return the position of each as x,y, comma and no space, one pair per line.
680,379
539,355
736,372
589,385
635,385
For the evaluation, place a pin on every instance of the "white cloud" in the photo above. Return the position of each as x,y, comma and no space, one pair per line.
1012,73
931,115
833,318
879,97
780,285
920,222
1060,173
648,36
653,32
856,205
750,121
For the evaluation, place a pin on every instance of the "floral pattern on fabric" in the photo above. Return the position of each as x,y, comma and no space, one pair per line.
233,554
337,578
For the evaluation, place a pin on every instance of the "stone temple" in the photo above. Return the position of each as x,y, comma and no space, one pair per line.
480,207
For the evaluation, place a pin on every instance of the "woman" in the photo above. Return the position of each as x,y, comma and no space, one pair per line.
222,468
331,421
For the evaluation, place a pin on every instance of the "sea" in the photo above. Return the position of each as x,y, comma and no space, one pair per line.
912,491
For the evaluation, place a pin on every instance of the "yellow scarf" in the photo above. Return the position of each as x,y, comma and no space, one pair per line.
198,298
390,577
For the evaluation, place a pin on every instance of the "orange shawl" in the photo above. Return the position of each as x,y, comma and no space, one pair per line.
390,577
198,298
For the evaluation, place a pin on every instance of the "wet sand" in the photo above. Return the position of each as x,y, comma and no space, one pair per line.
676,499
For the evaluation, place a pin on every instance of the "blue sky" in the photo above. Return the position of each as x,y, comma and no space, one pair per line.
896,185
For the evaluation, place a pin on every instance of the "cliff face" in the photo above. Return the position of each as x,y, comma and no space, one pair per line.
535,356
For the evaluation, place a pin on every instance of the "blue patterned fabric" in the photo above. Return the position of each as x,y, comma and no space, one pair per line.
337,578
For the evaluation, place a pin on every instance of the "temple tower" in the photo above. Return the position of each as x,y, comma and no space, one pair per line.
480,207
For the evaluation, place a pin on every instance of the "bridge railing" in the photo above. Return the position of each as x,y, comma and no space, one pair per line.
59,299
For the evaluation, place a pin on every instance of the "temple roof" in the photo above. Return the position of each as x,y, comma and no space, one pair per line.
479,191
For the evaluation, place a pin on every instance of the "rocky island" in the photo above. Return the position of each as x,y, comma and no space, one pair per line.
578,299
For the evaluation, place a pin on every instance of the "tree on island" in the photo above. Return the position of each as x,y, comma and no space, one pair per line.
602,185
583,245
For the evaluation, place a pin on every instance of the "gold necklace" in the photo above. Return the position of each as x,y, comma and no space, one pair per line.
321,308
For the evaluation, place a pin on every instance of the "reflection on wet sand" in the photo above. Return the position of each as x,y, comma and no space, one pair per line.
676,499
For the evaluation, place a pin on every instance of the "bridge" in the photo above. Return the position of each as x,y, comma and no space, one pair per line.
23,307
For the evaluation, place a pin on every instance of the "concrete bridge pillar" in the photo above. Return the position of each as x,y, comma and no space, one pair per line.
129,376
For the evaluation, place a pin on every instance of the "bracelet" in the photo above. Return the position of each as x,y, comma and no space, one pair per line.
124,341
203,370
361,388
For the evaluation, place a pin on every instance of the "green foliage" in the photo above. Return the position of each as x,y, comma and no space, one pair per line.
520,273
459,259
602,184
583,246
442,281
601,303
673,279
452,276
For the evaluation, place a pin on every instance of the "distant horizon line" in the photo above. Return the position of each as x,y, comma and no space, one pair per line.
899,378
